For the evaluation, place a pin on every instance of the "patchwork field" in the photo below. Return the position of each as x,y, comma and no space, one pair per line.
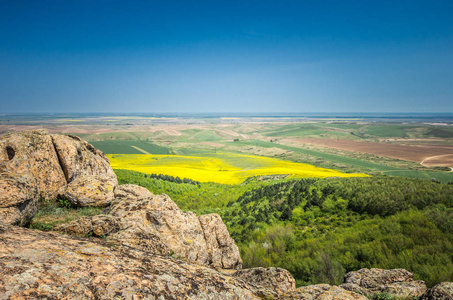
226,168
417,153
397,147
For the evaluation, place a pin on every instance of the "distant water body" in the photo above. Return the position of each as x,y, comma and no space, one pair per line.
347,117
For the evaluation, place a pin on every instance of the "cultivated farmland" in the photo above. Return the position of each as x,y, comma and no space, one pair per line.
226,168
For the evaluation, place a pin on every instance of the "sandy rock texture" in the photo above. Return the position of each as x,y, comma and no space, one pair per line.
132,191
222,250
441,291
156,224
35,164
79,158
90,190
397,282
32,153
278,280
98,226
322,292
35,265
18,199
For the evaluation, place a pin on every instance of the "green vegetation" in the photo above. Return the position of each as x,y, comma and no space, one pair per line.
52,213
440,133
201,198
388,130
319,230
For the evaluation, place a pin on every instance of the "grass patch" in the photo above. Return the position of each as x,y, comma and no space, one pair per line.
440,133
389,130
52,213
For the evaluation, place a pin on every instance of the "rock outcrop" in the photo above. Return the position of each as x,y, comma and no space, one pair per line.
397,282
442,291
35,164
156,224
322,292
32,153
277,280
35,265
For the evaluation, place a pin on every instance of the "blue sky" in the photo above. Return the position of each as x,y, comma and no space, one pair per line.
226,56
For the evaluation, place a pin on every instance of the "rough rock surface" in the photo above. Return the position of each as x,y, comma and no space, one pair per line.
35,265
90,190
53,165
156,224
223,252
322,292
397,282
442,291
79,158
132,192
100,225
18,199
32,153
277,280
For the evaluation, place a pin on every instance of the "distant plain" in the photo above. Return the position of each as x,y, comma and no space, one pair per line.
417,146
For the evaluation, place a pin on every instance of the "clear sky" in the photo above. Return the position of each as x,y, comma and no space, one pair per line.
226,56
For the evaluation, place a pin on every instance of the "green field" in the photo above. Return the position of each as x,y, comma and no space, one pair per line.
313,130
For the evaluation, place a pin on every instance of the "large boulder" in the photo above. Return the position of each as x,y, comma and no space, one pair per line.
79,158
52,166
397,282
442,291
18,199
156,224
322,292
90,191
38,265
276,280
32,153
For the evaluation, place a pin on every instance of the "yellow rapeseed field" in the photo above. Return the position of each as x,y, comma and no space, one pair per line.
226,168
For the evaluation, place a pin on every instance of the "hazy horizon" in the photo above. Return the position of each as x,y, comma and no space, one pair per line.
226,57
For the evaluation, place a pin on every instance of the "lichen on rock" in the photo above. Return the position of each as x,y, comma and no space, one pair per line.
397,282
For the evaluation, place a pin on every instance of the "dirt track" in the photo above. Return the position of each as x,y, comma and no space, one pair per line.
432,155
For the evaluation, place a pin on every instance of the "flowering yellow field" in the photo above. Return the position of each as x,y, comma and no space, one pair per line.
224,168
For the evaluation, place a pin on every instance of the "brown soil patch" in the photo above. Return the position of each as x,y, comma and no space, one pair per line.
439,160
418,153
